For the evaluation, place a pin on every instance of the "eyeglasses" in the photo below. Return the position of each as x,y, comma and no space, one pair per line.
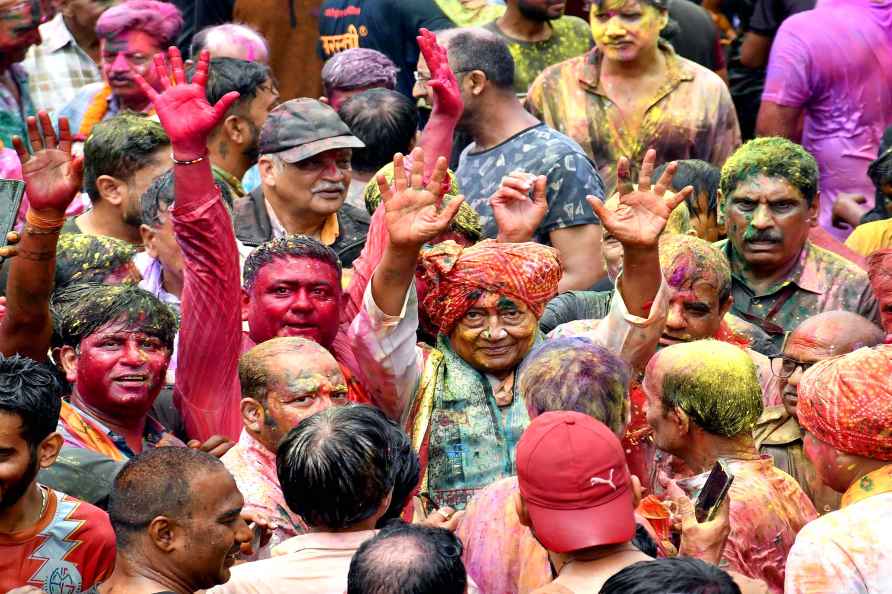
423,79
785,367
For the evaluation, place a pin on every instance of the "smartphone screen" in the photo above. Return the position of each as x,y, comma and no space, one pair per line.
713,492
11,192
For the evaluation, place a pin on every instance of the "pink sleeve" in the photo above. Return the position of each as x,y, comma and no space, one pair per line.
788,80
364,267
207,389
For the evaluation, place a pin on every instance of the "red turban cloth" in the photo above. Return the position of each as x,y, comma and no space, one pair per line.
457,277
847,402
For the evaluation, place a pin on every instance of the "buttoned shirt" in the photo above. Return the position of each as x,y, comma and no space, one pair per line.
691,116
58,68
821,281
14,110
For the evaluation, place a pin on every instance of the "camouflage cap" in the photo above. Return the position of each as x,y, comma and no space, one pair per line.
301,128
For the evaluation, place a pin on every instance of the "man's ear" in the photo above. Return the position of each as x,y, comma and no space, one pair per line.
720,209
476,81
521,508
267,172
680,420
112,189
246,304
253,415
726,306
814,208
68,359
234,129
148,240
165,533
48,449
637,490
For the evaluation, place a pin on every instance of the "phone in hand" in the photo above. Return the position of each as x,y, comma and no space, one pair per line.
11,192
714,492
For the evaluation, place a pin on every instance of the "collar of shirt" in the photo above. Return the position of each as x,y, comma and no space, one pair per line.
259,457
678,72
55,34
330,229
152,278
877,482
234,184
151,435
805,275
323,541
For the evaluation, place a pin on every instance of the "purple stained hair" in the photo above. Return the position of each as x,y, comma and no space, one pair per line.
161,20
358,68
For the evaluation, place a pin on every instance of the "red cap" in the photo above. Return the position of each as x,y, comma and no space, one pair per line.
575,483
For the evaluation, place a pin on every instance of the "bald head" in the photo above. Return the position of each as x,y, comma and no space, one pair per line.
269,361
231,40
833,333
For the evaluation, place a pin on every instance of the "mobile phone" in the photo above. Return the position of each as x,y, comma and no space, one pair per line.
11,192
714,491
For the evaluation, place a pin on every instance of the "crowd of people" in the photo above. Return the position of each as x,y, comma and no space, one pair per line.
445,296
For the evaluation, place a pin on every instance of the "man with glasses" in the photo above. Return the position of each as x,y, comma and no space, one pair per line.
305,170
770,202
778,434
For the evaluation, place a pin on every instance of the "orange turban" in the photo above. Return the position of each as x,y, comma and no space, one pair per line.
847,402
456,277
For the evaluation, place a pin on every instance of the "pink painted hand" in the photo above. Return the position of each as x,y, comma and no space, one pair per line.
415,213
52,175
447,95
519,206
642,214
183,107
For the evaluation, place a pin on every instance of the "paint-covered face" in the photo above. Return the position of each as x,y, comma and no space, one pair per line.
541,10
18,461
213,530
495,334
131,51
119,371
694,308
705,223
612,250
294,297
881,282
317,185
19,22
826,461
768,221
301,384
624,29
421,90
803,349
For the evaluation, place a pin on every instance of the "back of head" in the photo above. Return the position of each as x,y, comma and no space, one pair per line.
674,575
386,121
714,382
231,74
119,147
773,157
478,49
230,40
837,332
161,20
406,472
254,371
408,559
702,176
575,374
358,68
33,392
82,258
289,246
685,260
155,483
80,310
336,468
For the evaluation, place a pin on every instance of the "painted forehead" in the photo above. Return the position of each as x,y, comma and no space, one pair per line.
489,300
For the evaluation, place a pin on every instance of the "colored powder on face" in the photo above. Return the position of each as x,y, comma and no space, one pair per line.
687,260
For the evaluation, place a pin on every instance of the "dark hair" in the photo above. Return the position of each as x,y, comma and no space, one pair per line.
678,575
120,146
289,246
703,176
335,468
386,121
80,310
156,483
478,49
408,559
82,258
772,157
231,74
33,392
406,472
159,197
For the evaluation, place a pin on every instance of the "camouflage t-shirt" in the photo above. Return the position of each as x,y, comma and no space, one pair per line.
570,37
539,151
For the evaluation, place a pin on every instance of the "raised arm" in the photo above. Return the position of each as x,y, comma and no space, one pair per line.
447,108
52,178
207,389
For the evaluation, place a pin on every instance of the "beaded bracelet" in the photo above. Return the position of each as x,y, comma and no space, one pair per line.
192,162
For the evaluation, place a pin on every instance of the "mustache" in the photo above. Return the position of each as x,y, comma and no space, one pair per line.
764,236
329,187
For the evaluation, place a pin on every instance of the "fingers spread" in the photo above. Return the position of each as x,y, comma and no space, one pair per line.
665,181
161,71
417,175
200,77
435,185
46,125
226,101
647,170
176,65
34,134
400,179
449,211
623,177
19,145
601,211
64,135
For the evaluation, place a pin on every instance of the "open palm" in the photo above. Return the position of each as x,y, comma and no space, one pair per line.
52,175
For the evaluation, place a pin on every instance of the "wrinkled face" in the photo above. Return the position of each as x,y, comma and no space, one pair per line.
301,384
119,371
18,462
160,242
694,309
881,282
541,10
829,468
768,222
666,435
294,297
624,29
129,52
495,334
19,20
705,223
317,185
85,12
802,350
612,250
213,530
421,90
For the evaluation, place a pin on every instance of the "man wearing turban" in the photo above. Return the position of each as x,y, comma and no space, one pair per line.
845,409
458,401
